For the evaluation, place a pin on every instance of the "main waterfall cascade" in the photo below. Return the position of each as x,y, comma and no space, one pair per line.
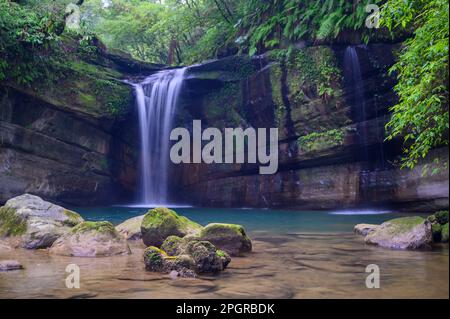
157,98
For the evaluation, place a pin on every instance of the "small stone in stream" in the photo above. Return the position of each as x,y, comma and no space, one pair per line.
9,265
173,274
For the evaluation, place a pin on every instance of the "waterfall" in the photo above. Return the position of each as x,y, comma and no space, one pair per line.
354,82
156,97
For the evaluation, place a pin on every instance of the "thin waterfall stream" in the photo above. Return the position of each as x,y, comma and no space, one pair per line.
157,98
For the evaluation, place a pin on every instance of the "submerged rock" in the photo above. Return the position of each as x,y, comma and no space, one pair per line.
8,265
131,228
228,237
365,229
402,233
38,223
160,223
91,239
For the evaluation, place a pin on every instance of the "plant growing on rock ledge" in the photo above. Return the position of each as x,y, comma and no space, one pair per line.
320,141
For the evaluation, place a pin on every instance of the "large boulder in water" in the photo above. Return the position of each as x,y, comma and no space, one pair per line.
160,223
38,223
402,233
91,239
131,228
228,237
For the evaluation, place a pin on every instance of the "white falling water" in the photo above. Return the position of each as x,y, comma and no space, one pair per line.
157,97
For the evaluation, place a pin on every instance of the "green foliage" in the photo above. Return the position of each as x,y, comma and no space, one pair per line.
421,116
27,38
177,32
318,141
266,24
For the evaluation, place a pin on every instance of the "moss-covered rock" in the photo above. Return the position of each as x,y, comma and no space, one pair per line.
131,228
91,239
228,237
38,223
160,223
436,230
207,258
402,233
444,233
189,256
157,260
440,217
173,245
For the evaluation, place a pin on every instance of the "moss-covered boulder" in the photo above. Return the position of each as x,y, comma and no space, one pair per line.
440,218
193,257
444,233
91,239
38,223
160,223
131,228
402,233
207,257
228,237
174,245
157,260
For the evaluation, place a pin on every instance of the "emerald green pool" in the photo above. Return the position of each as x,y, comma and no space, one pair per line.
295,255
279,221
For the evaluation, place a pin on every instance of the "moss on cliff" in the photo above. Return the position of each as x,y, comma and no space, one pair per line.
85,84
318,141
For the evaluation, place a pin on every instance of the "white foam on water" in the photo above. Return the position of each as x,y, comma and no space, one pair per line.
361,212
150,205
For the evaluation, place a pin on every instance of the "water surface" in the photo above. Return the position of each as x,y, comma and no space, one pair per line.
295,255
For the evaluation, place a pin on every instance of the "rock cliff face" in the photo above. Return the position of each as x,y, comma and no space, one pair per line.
331,146
75,140
71,139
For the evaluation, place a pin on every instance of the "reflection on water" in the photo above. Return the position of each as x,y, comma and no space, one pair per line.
284,264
